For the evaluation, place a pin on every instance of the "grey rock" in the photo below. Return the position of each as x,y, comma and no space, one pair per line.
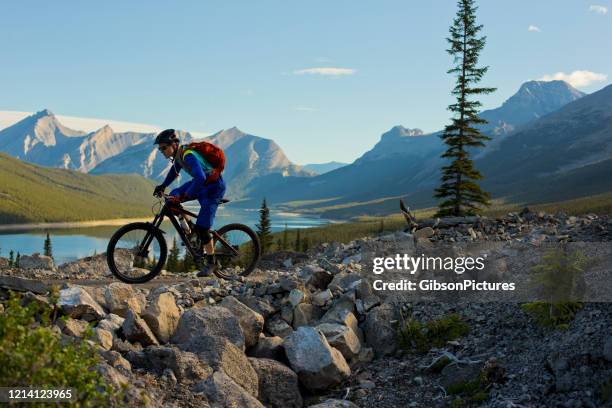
335,403
296,297
186,366
136,329
342,338
36,261
278,327
269,347
115,359
380,334
318,365
306,314
250,321
317,276
111,322
76,303
73,327
426,232
162,315
120,297
322,298
209,321
222,392
104,338
278,385
221,354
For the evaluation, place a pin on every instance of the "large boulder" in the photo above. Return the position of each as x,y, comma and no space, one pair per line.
186,366
36,261
278,385
250,321
136,330
343,338
162,315
222,392
380,333
220,354
209,321
318,365
342,315
120,297
75,302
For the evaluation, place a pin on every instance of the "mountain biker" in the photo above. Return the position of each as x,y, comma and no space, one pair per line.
206,186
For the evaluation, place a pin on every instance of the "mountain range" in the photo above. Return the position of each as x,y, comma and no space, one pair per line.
549,142
559,147
41,139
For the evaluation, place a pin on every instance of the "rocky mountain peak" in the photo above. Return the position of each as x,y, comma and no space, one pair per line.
400,131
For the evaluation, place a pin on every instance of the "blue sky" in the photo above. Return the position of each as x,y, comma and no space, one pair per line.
204,66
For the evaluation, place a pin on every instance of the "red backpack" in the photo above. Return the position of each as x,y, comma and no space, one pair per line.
211,153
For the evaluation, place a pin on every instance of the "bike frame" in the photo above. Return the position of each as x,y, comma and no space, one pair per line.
171,212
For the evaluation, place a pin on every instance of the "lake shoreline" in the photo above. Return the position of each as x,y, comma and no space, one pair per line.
70,224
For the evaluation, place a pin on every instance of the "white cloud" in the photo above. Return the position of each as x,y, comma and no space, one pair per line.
598,9
534,29
577,78
328,71
305,109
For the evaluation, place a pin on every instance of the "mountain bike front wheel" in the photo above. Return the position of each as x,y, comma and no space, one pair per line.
137,252
237,251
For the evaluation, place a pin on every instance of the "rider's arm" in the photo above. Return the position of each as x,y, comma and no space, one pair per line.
198,176
172,174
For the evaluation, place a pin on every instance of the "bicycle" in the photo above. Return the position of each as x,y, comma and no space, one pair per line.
137,252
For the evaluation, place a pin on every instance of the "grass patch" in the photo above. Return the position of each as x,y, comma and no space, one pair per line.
554,315
421,337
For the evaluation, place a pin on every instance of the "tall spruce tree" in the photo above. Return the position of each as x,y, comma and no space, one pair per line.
460,193
263,228
172,264
48,250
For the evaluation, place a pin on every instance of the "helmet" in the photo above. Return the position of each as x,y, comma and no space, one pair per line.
167,136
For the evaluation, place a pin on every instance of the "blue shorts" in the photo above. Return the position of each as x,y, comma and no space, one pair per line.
209,199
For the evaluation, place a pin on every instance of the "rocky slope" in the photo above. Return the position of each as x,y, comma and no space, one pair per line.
311,331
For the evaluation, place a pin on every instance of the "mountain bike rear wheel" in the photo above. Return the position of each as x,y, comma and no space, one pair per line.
136,253
238,252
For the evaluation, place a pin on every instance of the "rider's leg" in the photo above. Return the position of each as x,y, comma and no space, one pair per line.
209,201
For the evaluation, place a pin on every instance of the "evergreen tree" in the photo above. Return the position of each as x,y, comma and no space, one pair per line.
279,244
11,258
263,228
297,241
460,193
48,250
17,259
305,244
188,263
285,238
173,257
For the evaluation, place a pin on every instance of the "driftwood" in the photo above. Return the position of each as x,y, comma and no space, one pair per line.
408,216
447,222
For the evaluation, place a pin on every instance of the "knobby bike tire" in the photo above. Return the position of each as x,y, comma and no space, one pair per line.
256,246
110,251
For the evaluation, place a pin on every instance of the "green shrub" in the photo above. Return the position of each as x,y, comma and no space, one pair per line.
421,337
555,315
32,354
